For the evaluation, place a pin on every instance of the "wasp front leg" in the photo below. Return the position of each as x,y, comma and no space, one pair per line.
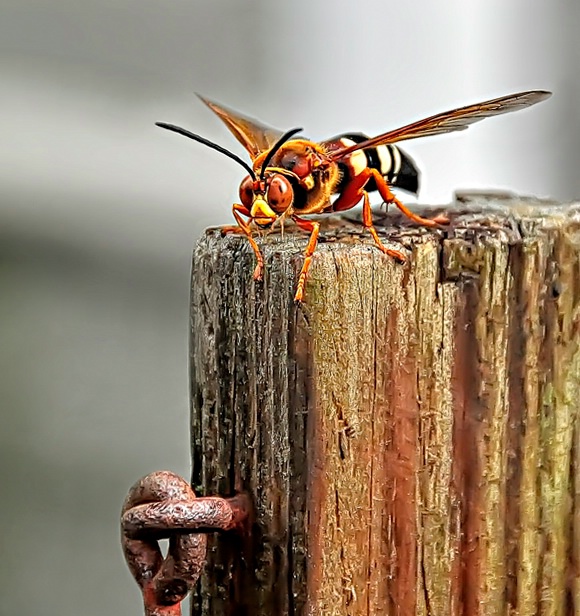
238,211
313,228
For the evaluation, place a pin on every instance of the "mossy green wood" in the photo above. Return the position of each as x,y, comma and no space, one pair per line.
410,433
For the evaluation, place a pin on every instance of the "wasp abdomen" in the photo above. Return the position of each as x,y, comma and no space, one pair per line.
396,166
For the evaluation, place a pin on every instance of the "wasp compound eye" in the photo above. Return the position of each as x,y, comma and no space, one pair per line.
247,191
280,194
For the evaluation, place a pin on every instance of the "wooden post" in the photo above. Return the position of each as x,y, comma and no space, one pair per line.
410,434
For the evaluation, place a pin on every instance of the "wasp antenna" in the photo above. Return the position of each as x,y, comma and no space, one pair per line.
285,137
202,98
209,144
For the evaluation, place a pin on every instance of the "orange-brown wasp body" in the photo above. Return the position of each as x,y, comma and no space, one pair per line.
292,177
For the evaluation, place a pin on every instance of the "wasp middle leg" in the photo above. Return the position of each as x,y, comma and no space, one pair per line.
350,196
368,225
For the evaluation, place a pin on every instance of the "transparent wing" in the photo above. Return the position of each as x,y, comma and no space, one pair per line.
253,135
450,121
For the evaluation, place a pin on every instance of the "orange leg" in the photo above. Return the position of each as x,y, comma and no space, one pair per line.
368,225
313,228
238,211
350,196
352,193
234,229
388,197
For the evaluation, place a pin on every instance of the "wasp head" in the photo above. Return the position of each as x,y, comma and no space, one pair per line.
266,199
267,196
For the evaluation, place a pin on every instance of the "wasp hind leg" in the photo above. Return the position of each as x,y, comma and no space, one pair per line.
313,228
238,211
389,197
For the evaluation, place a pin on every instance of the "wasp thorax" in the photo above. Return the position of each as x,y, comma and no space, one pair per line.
297,162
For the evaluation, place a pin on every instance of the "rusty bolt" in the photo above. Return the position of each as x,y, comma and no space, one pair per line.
163,505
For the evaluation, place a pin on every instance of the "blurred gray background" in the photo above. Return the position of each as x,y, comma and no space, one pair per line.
99,211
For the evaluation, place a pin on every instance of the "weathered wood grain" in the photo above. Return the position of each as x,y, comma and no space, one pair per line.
410,434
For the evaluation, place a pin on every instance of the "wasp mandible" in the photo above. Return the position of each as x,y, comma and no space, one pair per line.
292,177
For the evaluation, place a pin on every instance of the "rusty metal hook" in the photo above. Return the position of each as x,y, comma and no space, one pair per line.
163,505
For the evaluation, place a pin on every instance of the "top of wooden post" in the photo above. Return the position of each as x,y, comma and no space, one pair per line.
487,213
409,435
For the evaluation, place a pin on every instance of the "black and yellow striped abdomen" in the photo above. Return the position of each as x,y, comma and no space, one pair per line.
397,167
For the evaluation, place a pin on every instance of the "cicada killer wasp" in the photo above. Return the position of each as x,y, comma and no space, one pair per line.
292,177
